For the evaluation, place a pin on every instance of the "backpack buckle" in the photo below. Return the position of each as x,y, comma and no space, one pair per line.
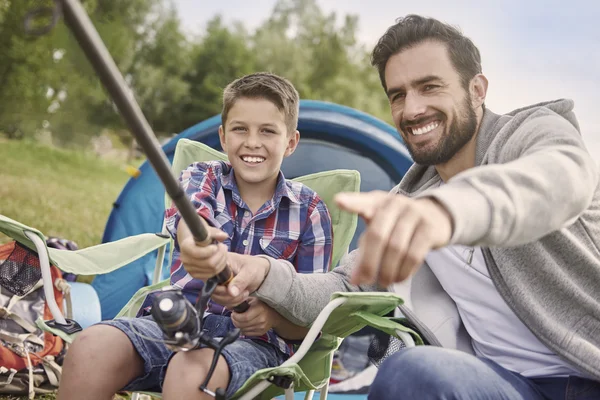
69,328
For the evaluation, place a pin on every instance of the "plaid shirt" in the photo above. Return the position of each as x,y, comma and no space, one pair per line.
294,225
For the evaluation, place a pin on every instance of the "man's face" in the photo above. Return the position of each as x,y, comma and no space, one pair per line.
430,107
256,140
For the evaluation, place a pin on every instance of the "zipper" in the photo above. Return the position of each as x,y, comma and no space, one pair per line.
469,259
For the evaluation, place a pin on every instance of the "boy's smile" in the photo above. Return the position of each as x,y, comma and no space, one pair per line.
249,159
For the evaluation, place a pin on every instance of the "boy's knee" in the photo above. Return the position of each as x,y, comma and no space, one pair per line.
189,369
178,362
189,366
100,341
101,359
98,335
88,339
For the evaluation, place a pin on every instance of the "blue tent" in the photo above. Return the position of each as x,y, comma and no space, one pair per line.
332,136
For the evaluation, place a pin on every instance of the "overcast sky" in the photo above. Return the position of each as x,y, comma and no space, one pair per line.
532,50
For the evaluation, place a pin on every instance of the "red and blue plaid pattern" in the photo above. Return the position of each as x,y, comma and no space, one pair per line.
294,225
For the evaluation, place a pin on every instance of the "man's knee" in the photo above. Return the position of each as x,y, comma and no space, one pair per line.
410,364
422,370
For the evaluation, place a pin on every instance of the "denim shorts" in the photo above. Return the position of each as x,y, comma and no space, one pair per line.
244,356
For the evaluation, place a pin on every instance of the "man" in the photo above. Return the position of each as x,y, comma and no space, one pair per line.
494,234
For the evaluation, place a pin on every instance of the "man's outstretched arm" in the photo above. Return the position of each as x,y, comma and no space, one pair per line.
297,297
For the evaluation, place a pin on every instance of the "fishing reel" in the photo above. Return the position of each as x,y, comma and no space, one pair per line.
181,323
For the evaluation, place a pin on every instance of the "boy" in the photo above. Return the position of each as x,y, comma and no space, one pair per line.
252,210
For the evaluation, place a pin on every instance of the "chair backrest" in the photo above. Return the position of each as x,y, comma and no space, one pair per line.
327,184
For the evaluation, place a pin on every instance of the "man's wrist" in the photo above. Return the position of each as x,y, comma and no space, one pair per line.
442,209
265,264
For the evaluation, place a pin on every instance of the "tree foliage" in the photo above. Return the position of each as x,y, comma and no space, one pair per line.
177,79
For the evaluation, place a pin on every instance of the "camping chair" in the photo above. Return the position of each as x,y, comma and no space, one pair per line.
310,367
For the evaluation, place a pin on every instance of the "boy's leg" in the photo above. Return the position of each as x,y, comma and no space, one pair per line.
187,370
238,362
113,356
100,361
428,373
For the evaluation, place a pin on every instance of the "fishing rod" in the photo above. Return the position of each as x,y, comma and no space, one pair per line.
180,322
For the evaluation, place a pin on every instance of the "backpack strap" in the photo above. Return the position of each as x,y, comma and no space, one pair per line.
30,373
6,314
12,372
52,369
17,342
64,286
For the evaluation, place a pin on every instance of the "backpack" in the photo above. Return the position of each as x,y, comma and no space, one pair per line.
30,358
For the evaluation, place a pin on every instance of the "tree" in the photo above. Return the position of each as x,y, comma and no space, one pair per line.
323,60
157,75
222,56
177,81
23,75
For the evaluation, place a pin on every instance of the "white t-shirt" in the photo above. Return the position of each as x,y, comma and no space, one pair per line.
497,333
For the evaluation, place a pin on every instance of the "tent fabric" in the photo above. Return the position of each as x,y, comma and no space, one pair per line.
332,137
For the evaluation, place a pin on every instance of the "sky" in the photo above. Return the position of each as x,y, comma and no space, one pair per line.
532,50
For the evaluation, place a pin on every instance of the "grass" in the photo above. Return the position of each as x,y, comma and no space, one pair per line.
62,193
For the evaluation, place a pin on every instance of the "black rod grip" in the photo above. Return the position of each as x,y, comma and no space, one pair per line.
224,277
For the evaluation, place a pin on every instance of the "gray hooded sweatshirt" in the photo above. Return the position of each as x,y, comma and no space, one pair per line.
533,204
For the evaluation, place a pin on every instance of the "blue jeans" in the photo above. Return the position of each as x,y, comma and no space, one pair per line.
428,373
244,356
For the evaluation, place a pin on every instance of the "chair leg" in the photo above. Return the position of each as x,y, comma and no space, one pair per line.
289,393
309,395
324,391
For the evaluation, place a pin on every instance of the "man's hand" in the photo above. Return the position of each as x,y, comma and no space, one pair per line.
202,262
250,272
400,232
257,320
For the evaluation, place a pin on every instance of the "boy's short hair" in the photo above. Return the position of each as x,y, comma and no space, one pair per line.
276,89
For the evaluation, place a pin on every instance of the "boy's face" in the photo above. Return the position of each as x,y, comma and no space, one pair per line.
256,140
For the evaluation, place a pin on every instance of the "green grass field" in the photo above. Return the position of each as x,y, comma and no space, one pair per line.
62,193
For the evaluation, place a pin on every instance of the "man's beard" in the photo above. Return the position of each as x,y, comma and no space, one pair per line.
457,135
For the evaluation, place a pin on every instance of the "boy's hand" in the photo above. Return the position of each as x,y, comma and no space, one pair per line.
257,320
202,262
250,272
400,232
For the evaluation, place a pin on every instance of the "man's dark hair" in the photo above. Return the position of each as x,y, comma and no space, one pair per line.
412,30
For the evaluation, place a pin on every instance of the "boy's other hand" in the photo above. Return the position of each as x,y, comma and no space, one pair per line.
203,262
257,320
400,232
250,272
